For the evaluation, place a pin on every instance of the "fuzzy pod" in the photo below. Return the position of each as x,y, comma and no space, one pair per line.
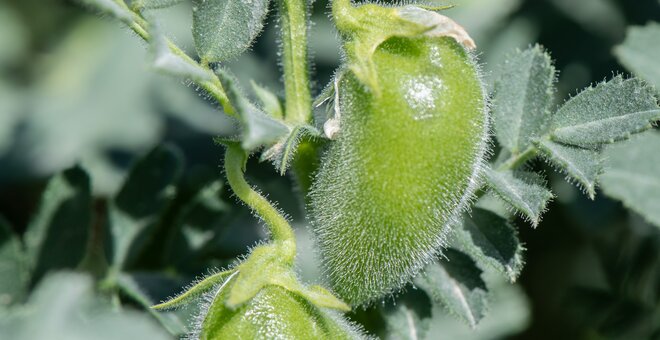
403,167
274,313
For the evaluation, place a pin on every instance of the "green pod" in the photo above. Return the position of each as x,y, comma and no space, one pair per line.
404,165
274,313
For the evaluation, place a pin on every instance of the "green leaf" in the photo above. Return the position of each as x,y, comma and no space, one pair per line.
64,307
523,94
13,273
258,129
609,112
282,153
269,101
409,318
223,29
57,236
150,4
198,223
111,8
130,288
524,191
196,290
135,211
493,241
455,281
640,52
581,165
632,175
166,61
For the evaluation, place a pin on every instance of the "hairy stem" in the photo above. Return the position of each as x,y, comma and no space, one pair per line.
281,231
139,25
518,159
293,21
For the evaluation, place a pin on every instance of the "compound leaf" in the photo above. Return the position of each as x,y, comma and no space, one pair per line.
57,236
581,165
145,194
493,241
523,95
609,112
223,29
632,175
455,281
640,52
527,195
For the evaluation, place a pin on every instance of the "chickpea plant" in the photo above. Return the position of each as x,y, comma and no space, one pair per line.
414,178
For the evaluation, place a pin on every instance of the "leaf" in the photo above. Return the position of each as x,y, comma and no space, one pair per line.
198,223
609,112
523,95
166,61
196,290
409,317
64,307
130,288
257,128
632,175
269,100
581,165
529,195
136,209
493,241
283,152
455,281
640,52
13,273
57,236
152,4
111,8
223,29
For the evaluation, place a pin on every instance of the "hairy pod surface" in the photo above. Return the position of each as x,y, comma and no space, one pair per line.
403,167
274,313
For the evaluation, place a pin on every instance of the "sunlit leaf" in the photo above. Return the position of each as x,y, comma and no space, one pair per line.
223,29
606,113
580,165
526,192
523,95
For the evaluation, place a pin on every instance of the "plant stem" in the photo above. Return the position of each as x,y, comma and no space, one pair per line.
293,21
518,159
280,230
213,87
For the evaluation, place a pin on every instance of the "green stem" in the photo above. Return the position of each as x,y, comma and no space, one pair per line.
213,87
518,159
281,231
293,19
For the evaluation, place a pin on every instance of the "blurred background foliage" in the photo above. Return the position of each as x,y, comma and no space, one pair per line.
77,90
